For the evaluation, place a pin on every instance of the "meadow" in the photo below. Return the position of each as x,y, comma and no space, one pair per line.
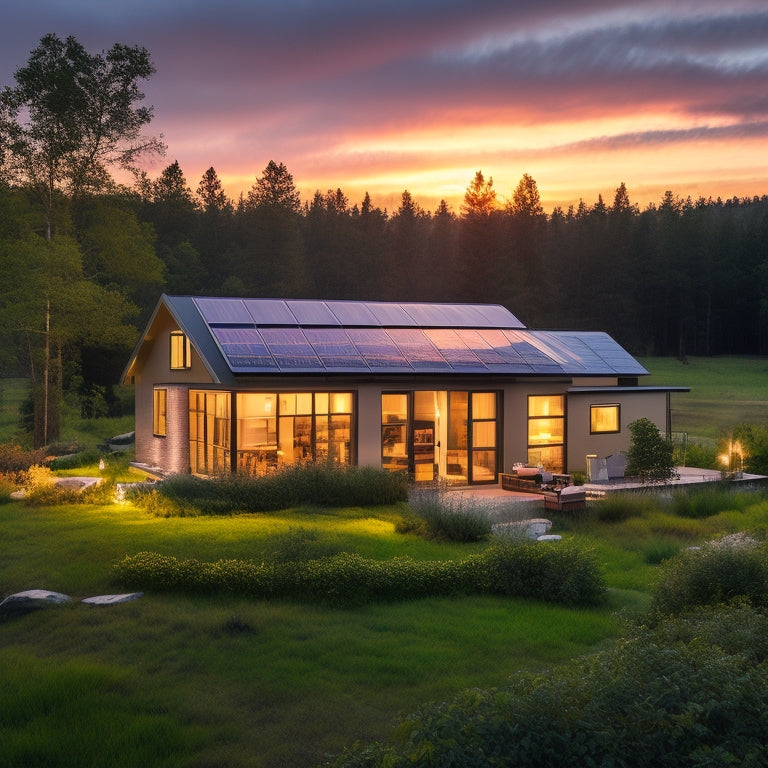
725,391
176,679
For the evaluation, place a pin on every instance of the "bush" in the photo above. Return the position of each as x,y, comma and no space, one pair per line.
451,517
650,456
706,503
552,573
326,485
75,460
691,693
14,459
618,507
716,574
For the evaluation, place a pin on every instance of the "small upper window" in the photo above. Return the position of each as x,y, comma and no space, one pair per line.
181,351
604,419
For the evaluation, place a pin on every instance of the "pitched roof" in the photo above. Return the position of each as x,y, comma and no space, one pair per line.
285,336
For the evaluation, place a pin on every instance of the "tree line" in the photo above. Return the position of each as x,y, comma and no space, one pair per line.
84,259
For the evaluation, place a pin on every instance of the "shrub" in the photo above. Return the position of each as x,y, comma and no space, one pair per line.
74,460
706,503
319,484
551,573
659,550
662,697
715,574
7,487
650,456
618,507
15,459
451,516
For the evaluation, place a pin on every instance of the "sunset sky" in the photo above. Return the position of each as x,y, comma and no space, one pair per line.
420,94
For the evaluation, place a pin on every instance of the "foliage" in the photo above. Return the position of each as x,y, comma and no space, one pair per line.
660,697
754,439
650,456
15,459
715,574
708,501
72,115
618,507
450,516
327,485
558,574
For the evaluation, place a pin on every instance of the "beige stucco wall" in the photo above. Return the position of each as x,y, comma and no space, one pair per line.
153,368
633,405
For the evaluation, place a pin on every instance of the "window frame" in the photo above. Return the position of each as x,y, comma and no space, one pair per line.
186,351
160,412
592,430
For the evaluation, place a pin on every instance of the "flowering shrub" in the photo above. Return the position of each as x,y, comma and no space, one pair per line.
554,573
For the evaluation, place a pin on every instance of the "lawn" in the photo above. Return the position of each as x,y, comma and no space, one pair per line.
177,680
174,680
725,391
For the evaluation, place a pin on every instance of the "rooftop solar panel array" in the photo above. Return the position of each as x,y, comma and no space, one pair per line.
316,337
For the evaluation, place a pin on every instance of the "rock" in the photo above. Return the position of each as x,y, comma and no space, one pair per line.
77,483
549,537
529,529
113,599
30,600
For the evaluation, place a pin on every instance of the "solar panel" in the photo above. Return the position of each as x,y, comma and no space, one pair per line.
270,335
377,349
418,350
215,310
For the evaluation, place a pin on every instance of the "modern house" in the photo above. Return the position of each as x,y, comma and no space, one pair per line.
455,391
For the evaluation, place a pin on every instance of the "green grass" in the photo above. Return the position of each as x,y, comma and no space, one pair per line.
233,681
176,680
725,391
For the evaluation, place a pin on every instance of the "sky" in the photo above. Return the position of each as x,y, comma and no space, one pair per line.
419,95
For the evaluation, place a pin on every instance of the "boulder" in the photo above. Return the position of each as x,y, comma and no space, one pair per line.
20,603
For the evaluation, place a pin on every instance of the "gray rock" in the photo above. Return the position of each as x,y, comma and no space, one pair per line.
20,603
549,537
113,599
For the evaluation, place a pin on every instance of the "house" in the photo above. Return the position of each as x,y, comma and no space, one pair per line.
455,391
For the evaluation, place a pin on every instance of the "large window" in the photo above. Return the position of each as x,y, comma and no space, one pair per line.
210,432
440,434
159,412
181,351
281,428
604,419
546,431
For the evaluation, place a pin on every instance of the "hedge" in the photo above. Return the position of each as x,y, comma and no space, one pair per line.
553,573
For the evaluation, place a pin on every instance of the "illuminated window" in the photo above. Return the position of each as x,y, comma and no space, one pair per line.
603,419
546,431
159,412
181,351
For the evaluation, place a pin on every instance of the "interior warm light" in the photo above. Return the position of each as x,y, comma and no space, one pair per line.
268,405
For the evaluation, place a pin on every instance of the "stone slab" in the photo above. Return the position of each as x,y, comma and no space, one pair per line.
113,599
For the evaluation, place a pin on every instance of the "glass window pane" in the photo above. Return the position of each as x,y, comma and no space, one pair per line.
483,405
394,408
546,405
546,431
484,434
483,466
603,418
341,402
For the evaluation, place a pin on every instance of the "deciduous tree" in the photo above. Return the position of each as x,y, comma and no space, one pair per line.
72,117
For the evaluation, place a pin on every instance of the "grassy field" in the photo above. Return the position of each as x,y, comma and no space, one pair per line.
178,681
725,391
